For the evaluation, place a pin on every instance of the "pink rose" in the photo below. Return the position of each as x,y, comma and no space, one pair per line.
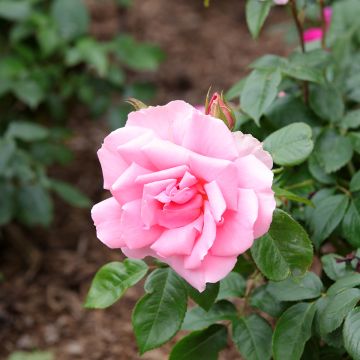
184,190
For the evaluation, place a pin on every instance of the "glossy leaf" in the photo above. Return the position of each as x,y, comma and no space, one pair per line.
333,151
292,331
233,285
327,216
112,280
290,145
284,250
260,90
202,344
355,182
337,308
346,282
351,222
206,298
158,315
252,336
294,289
70,194
333,269
197,318
256,14
351,333
26,131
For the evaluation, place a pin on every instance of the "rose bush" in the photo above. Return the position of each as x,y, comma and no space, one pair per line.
184,190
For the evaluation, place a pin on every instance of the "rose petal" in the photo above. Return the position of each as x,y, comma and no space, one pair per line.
267,205
216,200
246,144
135,234
106,216
236,234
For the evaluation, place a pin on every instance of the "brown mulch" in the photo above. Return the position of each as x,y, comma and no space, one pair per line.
42,293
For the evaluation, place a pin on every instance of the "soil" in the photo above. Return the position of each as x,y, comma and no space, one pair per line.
44,284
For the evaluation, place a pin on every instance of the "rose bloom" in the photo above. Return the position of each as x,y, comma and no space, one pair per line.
184,190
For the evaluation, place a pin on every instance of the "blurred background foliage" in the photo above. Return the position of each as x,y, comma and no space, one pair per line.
51,65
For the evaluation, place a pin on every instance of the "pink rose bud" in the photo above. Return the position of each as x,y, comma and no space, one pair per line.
218,108
184,189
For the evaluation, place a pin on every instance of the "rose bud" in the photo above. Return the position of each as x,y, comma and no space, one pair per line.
218,108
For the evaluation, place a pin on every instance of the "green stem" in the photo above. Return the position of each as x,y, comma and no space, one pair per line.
300,184
323,24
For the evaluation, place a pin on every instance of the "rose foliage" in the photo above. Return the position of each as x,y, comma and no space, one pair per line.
267,212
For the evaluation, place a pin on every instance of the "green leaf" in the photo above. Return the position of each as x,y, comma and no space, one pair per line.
158,315
294,289
29,92
290,145
346,282
70,194
26,131
292,331
7,150
327,216
351,333
354,138
197,318
206,298
35,355
235,90
71,18
137,56
351,120
15,10
333,151
252,336
283,193
337,308
7,208
260,90
327,103
256,14
318,172
303,72
34,205
351,222
333,269
355,182
233,285
262,299
284,250
112,280
203,344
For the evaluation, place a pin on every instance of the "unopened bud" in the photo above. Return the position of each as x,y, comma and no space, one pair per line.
217,107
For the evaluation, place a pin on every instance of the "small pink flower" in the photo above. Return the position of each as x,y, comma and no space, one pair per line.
316,34
281,2
184,190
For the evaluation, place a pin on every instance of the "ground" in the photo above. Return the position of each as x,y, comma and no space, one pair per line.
41,301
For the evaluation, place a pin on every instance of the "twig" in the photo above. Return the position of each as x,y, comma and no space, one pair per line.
323,24
300,31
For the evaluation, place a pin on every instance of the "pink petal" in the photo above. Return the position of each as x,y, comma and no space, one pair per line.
205,135
204,242
187,180
224,172
161,119
176,215
178,241
267,206
112,163
217,267
125,188
246,144
135,234
236,235
171,173
313,34
216,200
132,150
253,174
106,216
